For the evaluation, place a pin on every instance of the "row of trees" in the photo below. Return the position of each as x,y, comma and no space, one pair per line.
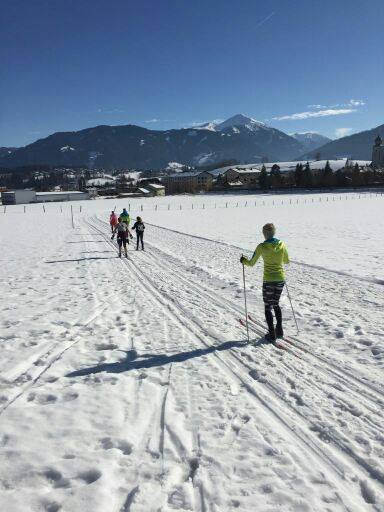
305,177
38,178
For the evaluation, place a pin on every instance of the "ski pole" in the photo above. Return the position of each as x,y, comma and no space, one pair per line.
293,311
245,303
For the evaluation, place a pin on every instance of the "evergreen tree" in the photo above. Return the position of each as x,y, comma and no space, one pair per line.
341,178
356,176
299,175
263,178
275,175
327,175
307,176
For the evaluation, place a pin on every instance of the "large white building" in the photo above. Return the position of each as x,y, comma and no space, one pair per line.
30,196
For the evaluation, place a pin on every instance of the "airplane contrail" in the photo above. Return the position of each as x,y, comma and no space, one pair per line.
265,19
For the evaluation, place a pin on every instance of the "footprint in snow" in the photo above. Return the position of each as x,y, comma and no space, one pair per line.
51,506
68,397
107,443
298,398
89,476
43,399
106,346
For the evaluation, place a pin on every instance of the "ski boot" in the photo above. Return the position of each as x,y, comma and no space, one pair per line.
271,336
279,331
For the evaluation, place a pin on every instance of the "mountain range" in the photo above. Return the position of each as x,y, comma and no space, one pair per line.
113,147
311,140
239,138
357,146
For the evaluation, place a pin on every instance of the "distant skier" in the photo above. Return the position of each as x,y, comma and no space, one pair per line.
113,220
275,255
139,227
124,216
123,232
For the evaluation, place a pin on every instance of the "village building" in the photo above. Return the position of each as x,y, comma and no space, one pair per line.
378,153
156,189
188,182
31,196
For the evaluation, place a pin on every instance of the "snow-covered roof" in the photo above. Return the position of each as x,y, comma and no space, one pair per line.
101,181
144,190
252,170
188,174
132,175
235,183
56,193
155,186
284,166
361,163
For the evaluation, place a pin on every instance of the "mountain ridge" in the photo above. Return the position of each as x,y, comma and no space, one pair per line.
310,140
357,146
131,146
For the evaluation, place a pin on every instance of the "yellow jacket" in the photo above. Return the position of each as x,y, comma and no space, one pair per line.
275,255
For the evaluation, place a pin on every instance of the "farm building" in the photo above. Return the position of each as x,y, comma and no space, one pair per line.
18,197
70,195
30,196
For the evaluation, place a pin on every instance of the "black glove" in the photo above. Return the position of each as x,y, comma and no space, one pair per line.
242,259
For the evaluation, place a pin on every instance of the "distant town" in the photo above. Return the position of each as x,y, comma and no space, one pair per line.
32,184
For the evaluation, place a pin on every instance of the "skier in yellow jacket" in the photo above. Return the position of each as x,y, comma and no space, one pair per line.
275,255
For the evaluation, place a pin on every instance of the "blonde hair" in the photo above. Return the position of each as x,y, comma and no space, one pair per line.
269,230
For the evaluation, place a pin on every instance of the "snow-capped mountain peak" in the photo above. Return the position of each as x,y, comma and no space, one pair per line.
310,140
207,126
239,120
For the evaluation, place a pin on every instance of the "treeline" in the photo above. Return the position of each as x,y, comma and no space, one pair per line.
42,178
305,177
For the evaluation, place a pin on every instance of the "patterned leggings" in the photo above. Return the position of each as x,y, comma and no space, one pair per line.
271,293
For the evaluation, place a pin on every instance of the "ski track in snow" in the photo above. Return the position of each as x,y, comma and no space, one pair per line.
345,448
140,393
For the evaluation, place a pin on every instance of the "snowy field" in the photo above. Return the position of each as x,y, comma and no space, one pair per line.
127,385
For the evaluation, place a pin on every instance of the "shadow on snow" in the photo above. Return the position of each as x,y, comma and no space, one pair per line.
83,259
85,241
152,360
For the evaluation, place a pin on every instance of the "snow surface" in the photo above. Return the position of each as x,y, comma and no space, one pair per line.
175,166
126,384
100,181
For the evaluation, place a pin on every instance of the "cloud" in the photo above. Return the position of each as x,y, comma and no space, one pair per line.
317,106
154,120
342,132
267,18
103,110
350,103
318,113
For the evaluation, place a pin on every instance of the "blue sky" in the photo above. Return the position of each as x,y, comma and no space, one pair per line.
296,65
